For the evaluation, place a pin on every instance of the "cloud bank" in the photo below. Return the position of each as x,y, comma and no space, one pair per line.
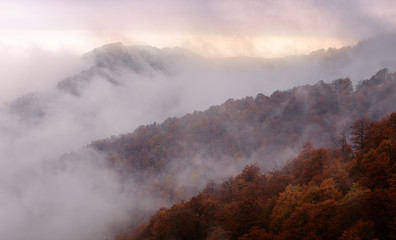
47,198
114,90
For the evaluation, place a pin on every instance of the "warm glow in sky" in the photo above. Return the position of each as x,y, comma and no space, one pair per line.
206,45
268,28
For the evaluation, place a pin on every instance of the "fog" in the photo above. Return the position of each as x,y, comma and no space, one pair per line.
54,104
32,68
43,201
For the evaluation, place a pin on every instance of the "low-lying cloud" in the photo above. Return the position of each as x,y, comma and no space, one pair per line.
52,200
119,89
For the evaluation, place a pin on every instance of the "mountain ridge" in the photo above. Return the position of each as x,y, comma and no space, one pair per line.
175,159
143,59
295,100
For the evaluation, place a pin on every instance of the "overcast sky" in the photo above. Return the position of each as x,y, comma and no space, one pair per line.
267,28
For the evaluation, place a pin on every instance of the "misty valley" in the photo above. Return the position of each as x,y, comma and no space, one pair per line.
161,143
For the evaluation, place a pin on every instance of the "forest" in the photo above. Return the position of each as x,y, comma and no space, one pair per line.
267,130
264,124
335,193
340,186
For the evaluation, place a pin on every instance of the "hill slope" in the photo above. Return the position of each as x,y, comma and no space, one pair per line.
179,156
321,194
240,128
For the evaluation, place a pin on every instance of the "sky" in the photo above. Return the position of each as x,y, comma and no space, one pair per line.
266,28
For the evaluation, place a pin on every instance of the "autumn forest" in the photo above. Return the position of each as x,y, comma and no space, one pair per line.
337,193
337,180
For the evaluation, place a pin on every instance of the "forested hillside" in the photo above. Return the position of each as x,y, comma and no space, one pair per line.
348,192
172,161
266,129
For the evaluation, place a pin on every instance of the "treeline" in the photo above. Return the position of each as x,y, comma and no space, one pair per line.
258,129
173,160
348,192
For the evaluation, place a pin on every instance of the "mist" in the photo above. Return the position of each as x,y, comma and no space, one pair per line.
43,201
31,68
55,103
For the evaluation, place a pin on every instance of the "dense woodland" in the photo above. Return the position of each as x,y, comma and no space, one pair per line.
267,130
331,190
343,193
268,125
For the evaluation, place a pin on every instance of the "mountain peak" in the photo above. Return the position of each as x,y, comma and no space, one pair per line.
112,45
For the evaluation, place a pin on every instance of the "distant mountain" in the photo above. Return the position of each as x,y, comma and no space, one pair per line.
113,61
146,84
